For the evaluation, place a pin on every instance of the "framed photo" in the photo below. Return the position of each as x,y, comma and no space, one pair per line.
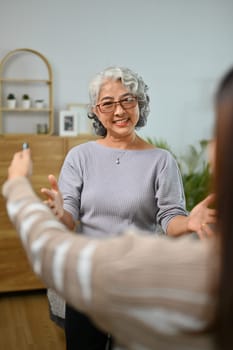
84,123
68,123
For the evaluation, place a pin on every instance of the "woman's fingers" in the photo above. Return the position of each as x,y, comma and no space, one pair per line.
49,193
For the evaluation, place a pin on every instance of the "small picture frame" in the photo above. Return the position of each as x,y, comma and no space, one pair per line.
84,123
68,123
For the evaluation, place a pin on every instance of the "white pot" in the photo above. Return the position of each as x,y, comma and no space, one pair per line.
39,104
26,104
11,103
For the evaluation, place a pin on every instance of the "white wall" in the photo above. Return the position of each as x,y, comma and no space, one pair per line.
180,47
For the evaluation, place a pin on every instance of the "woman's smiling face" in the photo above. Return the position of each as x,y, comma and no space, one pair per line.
120,121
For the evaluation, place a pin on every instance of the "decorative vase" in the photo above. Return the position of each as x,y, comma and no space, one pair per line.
26,104
11,104
39,104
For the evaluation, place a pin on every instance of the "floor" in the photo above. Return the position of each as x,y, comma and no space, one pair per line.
25,323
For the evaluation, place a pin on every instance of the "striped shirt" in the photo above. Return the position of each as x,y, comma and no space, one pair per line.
148,291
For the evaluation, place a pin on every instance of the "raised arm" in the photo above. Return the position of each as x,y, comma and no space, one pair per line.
55,203
123,283
199,220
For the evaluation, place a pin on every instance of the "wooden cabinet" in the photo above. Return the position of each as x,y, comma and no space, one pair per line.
24,83
48,153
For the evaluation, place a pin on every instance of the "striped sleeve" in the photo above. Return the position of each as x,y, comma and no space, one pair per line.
50,247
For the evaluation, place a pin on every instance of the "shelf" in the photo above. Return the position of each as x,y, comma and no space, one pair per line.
25,109
19,83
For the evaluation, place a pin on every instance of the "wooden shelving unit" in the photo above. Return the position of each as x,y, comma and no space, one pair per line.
47,83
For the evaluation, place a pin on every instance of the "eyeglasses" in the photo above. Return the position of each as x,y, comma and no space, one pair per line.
110,106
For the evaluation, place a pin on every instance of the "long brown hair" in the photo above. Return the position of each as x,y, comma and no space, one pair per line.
224,205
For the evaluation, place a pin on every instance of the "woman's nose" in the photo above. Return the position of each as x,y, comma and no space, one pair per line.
118,109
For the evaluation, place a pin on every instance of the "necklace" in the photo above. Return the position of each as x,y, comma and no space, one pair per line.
120,156
118,160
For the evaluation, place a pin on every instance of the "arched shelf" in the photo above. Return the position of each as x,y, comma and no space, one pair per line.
46,82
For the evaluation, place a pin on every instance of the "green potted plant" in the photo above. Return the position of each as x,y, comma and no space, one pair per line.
26,102
194,168
11,101
195,173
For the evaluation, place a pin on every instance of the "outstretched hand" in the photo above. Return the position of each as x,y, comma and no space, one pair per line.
202,218
54,197
21,164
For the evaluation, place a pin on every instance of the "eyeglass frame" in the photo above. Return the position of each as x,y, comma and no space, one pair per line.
119,101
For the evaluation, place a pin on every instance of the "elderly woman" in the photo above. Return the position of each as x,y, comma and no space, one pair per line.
119,181
149,292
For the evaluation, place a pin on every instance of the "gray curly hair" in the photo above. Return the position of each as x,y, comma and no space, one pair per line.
135,85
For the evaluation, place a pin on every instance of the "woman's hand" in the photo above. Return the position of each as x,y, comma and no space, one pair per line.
21,164
202,218
54,197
